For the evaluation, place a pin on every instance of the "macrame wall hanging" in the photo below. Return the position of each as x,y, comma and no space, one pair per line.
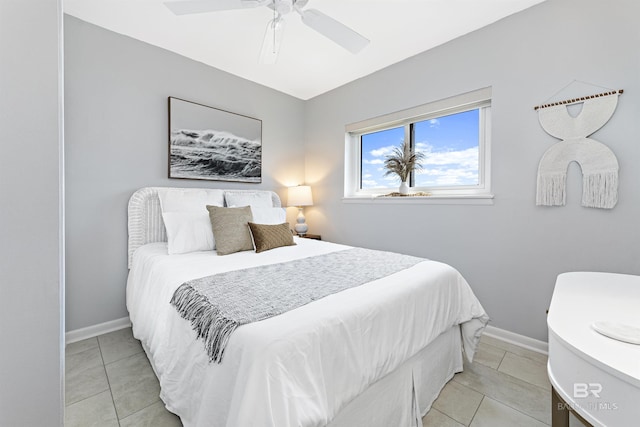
598,163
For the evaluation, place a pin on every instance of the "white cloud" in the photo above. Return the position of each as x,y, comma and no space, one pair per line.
440,168
373,162
382,151
467,158
448,167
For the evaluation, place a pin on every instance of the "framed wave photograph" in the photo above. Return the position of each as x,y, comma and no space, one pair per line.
212,144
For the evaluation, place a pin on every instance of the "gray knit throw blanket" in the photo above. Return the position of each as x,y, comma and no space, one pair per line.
217,305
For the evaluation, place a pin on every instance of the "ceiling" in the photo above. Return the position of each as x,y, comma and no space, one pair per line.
308,64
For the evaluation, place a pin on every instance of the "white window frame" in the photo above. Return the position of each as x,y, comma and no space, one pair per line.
478,99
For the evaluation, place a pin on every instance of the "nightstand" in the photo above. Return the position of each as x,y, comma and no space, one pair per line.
312,236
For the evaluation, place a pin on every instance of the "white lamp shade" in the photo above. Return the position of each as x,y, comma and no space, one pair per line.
300,196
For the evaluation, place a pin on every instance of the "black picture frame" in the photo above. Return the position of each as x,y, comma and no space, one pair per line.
207,143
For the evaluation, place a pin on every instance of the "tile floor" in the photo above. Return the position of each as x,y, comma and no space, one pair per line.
109,382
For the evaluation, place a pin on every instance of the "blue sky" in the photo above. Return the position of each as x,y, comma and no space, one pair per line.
450,144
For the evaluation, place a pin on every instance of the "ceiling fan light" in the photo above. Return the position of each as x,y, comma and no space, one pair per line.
283,6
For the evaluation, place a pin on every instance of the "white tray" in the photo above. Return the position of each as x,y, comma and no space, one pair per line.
618,331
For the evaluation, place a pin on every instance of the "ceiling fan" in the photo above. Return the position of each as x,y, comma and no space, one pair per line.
324,24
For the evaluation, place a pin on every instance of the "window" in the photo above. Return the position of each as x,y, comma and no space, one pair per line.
453,134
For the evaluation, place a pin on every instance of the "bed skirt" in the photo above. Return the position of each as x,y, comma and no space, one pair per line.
404,396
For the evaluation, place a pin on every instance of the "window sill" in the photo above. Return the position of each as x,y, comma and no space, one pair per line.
458,199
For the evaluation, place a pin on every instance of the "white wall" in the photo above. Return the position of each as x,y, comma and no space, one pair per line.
31,274
116,91
510,252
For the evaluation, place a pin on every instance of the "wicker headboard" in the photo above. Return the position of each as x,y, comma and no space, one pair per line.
145,223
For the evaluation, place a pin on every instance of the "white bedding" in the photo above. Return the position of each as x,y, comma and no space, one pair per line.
300,368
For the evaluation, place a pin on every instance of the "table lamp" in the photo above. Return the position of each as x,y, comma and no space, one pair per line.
300,196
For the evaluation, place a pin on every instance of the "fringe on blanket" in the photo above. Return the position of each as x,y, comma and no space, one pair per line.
205,319
600,190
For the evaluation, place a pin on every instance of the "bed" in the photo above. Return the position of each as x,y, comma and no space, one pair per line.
377,354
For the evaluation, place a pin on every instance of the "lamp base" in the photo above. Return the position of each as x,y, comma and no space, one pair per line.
301,226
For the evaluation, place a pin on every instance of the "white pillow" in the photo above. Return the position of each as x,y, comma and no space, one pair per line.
270,216
189,199
248,198
186,219
188,232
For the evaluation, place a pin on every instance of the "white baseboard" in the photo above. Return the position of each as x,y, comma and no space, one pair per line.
95,330
517,339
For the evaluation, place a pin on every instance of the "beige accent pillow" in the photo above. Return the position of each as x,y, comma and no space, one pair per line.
271,236
230,229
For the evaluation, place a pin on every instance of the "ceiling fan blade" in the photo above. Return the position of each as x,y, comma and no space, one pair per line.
272,41
186,7
334,30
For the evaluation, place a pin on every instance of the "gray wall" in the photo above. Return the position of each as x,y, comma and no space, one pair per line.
510,252
31,274
116,91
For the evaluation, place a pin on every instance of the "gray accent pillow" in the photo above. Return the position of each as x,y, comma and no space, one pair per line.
230,229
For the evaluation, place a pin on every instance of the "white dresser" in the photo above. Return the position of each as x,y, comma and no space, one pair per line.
595,376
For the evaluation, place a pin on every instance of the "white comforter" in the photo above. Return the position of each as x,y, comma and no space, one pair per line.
302,367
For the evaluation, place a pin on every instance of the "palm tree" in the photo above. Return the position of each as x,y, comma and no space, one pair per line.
402,161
